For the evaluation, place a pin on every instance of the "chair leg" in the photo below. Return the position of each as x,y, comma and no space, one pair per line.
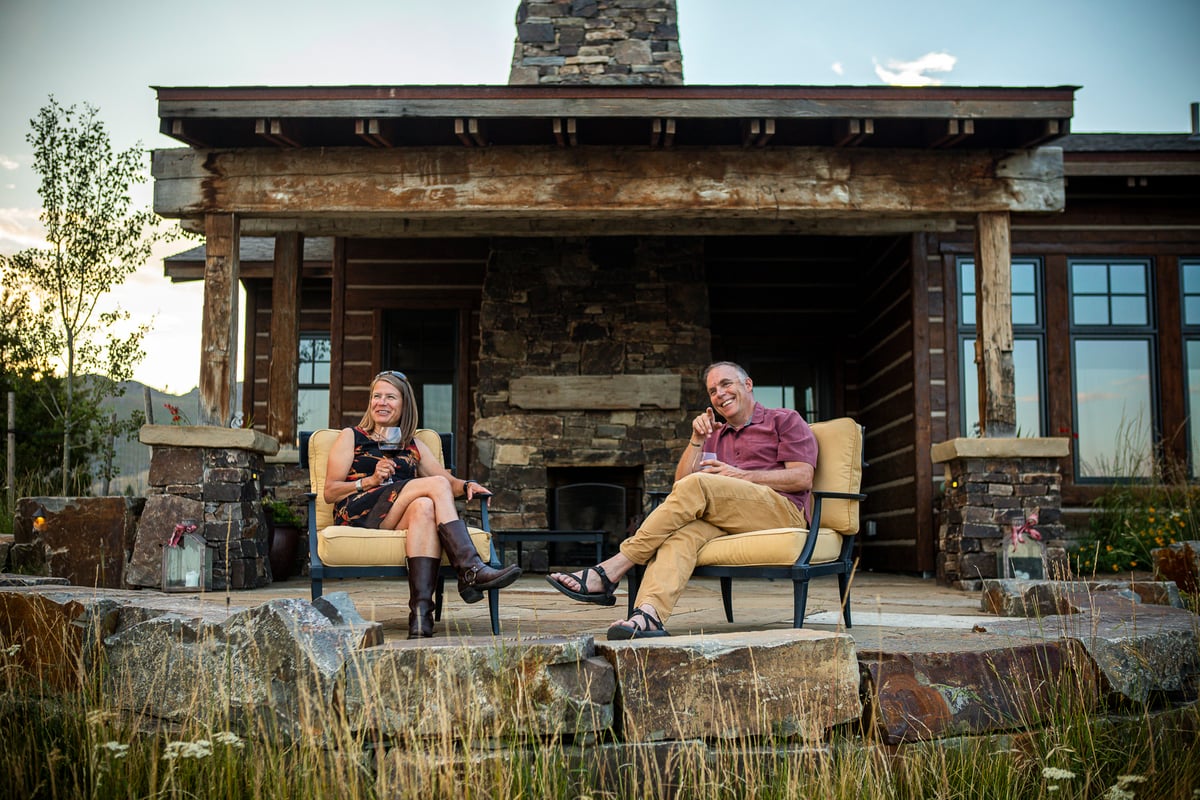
727,597
799,601
316,588
493,596
438,595
844,594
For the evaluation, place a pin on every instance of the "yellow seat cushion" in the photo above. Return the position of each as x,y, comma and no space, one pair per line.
347,546
771,547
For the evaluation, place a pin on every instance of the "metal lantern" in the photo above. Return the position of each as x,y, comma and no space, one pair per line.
186,561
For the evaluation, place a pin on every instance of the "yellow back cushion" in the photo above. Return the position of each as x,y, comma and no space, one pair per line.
839,469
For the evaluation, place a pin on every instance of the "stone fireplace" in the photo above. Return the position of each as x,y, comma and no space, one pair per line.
569,390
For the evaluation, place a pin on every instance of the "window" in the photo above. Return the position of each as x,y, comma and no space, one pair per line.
1112,360
1029,333
1190,279
312,402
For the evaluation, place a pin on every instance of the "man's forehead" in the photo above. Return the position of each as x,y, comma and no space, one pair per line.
722,374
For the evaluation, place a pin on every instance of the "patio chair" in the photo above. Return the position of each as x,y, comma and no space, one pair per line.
791,553
344,551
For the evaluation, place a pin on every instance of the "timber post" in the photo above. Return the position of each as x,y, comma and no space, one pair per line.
283,386
218,337
993,323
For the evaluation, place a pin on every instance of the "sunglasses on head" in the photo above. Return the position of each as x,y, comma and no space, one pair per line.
393,373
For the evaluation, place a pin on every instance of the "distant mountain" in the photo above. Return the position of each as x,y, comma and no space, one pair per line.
132,458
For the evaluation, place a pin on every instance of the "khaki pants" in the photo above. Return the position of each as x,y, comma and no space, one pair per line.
699,508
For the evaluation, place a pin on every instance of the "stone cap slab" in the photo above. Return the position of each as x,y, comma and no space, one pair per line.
208,436
990,447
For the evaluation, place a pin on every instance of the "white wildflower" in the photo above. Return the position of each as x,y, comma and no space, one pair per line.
115,749
201,748
1056,774
1115,792
12,651
228,738
1125,780
98,716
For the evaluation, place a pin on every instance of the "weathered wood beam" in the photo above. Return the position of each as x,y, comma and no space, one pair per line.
385,227
283,378
993,325
561,392
450,182
218,335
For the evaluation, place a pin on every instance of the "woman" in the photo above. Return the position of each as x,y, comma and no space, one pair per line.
408,490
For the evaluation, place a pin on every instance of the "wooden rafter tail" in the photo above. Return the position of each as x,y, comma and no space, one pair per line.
181,130
768,131
751,129
478,136
460,130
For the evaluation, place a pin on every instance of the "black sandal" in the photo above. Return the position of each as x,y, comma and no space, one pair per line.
605,597
653,628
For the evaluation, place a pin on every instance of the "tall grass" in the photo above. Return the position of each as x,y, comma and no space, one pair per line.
90,734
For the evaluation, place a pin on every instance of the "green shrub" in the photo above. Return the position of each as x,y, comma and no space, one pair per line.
1131,520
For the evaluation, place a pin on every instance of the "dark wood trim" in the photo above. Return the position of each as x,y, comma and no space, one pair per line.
953,356
1171,380
337,334
1058,358
283,377
926,556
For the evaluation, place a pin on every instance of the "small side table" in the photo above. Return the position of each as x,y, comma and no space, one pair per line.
519,535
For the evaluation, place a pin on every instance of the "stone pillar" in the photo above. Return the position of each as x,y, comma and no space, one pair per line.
83,539
211,476
987,482
597,42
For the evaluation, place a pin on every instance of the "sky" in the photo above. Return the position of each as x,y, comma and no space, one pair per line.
1136,62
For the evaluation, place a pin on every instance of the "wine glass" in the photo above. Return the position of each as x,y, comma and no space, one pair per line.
389,443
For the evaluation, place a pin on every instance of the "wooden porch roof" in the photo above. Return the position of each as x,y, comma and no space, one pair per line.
663,116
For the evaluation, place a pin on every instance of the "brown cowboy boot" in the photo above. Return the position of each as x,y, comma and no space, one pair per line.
422,581
474,576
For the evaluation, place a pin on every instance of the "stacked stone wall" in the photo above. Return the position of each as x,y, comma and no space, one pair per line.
586,307
597,42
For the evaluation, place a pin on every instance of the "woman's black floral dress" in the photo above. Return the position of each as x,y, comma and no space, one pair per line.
366,509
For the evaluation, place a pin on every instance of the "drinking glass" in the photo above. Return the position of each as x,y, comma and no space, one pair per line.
389,443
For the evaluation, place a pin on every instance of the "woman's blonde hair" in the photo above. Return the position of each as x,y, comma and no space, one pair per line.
408,405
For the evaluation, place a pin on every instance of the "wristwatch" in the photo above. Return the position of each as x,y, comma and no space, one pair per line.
358,485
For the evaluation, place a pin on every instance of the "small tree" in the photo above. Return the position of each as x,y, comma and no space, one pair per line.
94,241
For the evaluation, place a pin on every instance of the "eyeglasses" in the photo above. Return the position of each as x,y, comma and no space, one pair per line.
393,373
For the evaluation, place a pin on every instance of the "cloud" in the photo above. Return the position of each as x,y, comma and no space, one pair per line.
20,228
838,68
912,73
7,163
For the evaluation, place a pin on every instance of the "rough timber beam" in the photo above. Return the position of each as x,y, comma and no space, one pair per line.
555,183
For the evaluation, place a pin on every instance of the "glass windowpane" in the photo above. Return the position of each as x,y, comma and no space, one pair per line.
1090,310
1024,277
1089,279
437,407
1191,278
1127,278
1129,310
1113,408
1024,310
1191,310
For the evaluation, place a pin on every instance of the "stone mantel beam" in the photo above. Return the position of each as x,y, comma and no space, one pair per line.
587,183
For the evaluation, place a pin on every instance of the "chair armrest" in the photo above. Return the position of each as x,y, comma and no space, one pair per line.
840,495
814,525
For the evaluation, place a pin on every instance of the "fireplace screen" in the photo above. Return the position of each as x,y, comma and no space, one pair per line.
594,506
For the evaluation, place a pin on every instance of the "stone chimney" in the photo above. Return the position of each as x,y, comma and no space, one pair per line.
597,42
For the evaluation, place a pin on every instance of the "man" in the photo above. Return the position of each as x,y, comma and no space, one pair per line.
760,478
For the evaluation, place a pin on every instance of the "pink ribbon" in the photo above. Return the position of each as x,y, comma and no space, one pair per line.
1026,527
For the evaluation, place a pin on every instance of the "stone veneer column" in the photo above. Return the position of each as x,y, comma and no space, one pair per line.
212,476
597,41
607,306
987,481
